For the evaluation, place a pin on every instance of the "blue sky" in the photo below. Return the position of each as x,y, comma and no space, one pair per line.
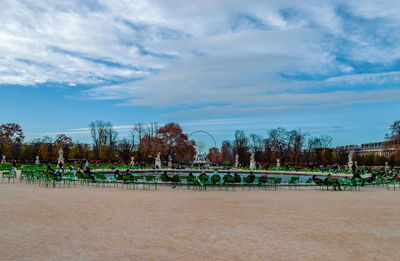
325,67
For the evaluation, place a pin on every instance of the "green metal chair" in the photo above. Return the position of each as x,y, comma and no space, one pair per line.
163,178
277,181
262,182
150,180
309,182
204,180
127,179
229,181
100,179
216,180
176,179
194,182
238,179
294,182
49,179
8,174
248,181
69,178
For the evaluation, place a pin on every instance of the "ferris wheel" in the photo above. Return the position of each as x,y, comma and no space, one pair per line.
201,145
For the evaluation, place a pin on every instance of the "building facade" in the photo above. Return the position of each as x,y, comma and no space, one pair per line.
378,148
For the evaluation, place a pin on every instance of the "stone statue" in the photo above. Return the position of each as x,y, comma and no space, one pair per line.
60,157
236,160
132,161
252,161
350,159
351,156
158,161
387,167
37,162
278,163
4,159
169,161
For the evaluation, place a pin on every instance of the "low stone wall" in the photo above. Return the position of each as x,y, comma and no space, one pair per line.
239,171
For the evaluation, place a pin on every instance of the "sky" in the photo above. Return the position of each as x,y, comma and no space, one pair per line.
324,67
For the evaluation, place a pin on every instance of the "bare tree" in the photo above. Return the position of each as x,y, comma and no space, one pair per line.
104,139
326,141
153,129
296,145
256,143
241,147
279,142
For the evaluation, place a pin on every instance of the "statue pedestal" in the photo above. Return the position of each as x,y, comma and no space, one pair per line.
236,161
252,164
350,164
158,164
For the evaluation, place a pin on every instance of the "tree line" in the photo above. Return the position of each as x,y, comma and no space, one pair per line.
294,147
289,146
145,141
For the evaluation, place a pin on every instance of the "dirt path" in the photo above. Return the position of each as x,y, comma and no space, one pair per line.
87,223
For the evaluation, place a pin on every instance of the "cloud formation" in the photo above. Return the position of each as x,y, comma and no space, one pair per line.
202,57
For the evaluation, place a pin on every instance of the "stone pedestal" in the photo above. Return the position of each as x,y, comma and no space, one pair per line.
252,164
350,164
236,161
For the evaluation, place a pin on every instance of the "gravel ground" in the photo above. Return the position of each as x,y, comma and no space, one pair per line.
88,223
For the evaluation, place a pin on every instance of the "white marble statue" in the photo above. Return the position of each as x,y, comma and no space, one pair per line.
158,161
169,161
37,162
252,161
278,163
60,156
350,159
132,161
4,159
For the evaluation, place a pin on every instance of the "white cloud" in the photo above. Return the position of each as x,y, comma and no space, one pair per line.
258,56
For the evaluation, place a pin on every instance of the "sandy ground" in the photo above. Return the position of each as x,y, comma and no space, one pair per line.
88,223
